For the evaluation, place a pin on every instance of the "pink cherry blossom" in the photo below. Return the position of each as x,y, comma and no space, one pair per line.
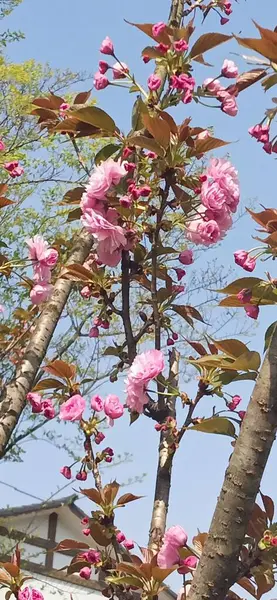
212,85
120,70
221,187
154,82
260,133
204,232
97,403
158,28
146,366
108,173
13,168
176,536
229,69
252,310
113,408
73,408
180,45
243,259
224,20
244,296
103,67
120,537
93,332
180,273
100,82
128,544
40,293
188,565
107,46
48,409
85,572
229,106
30,594
110,237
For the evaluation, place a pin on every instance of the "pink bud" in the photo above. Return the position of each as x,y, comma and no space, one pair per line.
93,332
232,405
151,154
243,259
109,451
85,292
175,336
244,295
129,166
107,46
180,45
105,324
66,472
169,342
146,59
267,147
180,273
120,537
85,572
86,531
223,21
85,521
163,48
100,82
99,437
242,414
186,257
35,401
145,191
188,565
81,476
128,544
127,152
158,427
178,289
154,82
63,108
158,28
125,201
96,403
103,67
252,310
108,459
120,70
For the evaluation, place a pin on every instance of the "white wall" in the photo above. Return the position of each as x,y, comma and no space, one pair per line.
53,589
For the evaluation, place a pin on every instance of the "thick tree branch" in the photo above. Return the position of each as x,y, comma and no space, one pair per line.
13,396
125,269
218,567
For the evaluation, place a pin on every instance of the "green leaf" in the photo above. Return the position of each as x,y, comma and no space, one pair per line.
133,417
218,425
94,116
3,245
82,97
248,361
239,284
111,351
207,41
269,81
73,196
269,334
138,109
125,580
105,153
74,215
188,313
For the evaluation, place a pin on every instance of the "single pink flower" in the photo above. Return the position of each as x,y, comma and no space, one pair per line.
93,332
180,45
100,82
103,67
188,565
50,258
170,342
221,187
93,556
244,296
66,472
176,536
126,201
236,400
252,310
128,544
158,28
208,232
63,108
120,70
229,69
73,408
48,409
85,572
40,293
154,82
186,257
182,82
110,237
212,85
229,106
120,537
107,46
113,408
86,531
151,155
163,48
97,403
35,401
13,168
146,366
2,146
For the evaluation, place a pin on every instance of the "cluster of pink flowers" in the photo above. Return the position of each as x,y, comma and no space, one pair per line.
98,218
41,406
14,169
43,260
185,84
111,406
146,366
98,322
227,96
226,6
120,70
261,134
174,539
220,196
236,400
121,539
91,556
179,46
73,408
244,260
30,594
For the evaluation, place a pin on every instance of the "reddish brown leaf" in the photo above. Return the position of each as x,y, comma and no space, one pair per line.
197,347
5,202
12,569
170,121
202,146
158,128
93,495
147,28
100,534
77,272
73,196
207,41
61,369
82,97
3,188
126,498
69,544
248,586
269,506
257,523
49,384
264,47
110,492
246,79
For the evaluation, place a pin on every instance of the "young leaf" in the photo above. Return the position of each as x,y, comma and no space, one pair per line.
100,534
49,384
219,425
239,284
269,506
105,153
110,492
188,313
248,361
158,128
69,544
145,142
74,215
264,47
126,498
82,97
269,334
61,369
73,196
207,41
147,28
95,116
93,495
5,202
231,347
202,146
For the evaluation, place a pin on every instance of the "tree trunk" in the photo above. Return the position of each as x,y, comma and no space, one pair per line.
218,567
13,396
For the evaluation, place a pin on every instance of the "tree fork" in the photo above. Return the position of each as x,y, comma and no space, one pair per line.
219,567
13,396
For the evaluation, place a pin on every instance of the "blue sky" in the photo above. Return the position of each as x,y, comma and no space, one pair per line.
68,35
